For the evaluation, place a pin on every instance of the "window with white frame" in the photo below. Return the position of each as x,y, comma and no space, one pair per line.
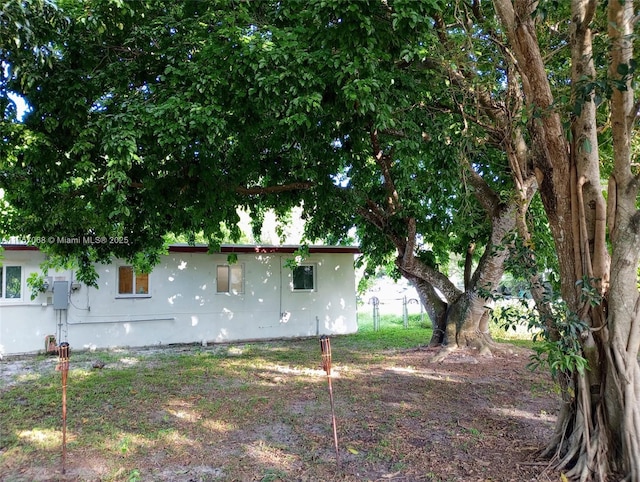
10,282
304,278
131,283
230,278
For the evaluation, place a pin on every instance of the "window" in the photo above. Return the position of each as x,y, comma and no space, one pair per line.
131,283
304,278
11,282
230,278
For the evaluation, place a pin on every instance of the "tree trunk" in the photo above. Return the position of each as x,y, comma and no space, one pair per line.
598,432
465,320
435,307
460,317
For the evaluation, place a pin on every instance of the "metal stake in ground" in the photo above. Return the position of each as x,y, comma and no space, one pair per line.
63,366
325,348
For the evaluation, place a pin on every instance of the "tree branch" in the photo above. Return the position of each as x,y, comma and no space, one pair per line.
482,192
245,191
378,217
411,238
383,161
633,115
257,190
374,214
417,269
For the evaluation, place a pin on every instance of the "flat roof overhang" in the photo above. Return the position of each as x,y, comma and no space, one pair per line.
226,249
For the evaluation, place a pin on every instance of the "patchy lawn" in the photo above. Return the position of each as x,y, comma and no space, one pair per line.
261,412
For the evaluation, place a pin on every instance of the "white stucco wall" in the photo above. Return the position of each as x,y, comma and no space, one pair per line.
183,305
24,323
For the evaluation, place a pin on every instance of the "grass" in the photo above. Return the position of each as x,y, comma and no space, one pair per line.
262,406
392,334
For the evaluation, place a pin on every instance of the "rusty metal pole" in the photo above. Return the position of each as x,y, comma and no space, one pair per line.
325,348
63,366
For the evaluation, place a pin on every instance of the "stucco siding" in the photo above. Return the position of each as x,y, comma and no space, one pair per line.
183,304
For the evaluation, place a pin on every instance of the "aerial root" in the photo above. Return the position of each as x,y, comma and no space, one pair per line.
554,448
443,353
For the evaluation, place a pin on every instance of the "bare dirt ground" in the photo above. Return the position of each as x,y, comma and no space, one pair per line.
399,418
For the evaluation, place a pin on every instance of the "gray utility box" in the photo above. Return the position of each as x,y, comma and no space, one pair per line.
60,295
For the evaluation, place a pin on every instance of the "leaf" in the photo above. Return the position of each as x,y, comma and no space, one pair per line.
352,450
623,69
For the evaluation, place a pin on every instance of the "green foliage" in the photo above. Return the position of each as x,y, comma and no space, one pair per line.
299,255
37,283
134,476
150,132
179,113
562,352
557,340
589,292
511,315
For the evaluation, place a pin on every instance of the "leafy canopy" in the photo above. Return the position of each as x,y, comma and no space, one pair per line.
156,117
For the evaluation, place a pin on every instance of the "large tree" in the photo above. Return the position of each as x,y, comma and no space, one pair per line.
400,128
570,68
597,241
156,117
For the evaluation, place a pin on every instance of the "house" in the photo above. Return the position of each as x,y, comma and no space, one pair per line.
190,296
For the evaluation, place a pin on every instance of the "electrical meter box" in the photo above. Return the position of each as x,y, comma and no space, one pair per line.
60,295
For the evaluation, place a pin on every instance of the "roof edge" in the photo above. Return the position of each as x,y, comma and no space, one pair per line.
263,249
225,249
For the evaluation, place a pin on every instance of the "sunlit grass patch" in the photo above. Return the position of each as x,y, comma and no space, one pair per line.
28,377
218,425
44,438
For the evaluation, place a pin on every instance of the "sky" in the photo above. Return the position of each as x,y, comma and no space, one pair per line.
21,105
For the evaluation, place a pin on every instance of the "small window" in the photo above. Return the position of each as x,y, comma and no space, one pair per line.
230,278
131,283
304,278
11,282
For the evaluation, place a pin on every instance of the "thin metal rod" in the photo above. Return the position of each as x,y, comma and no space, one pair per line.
333,421
63,354
325,348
